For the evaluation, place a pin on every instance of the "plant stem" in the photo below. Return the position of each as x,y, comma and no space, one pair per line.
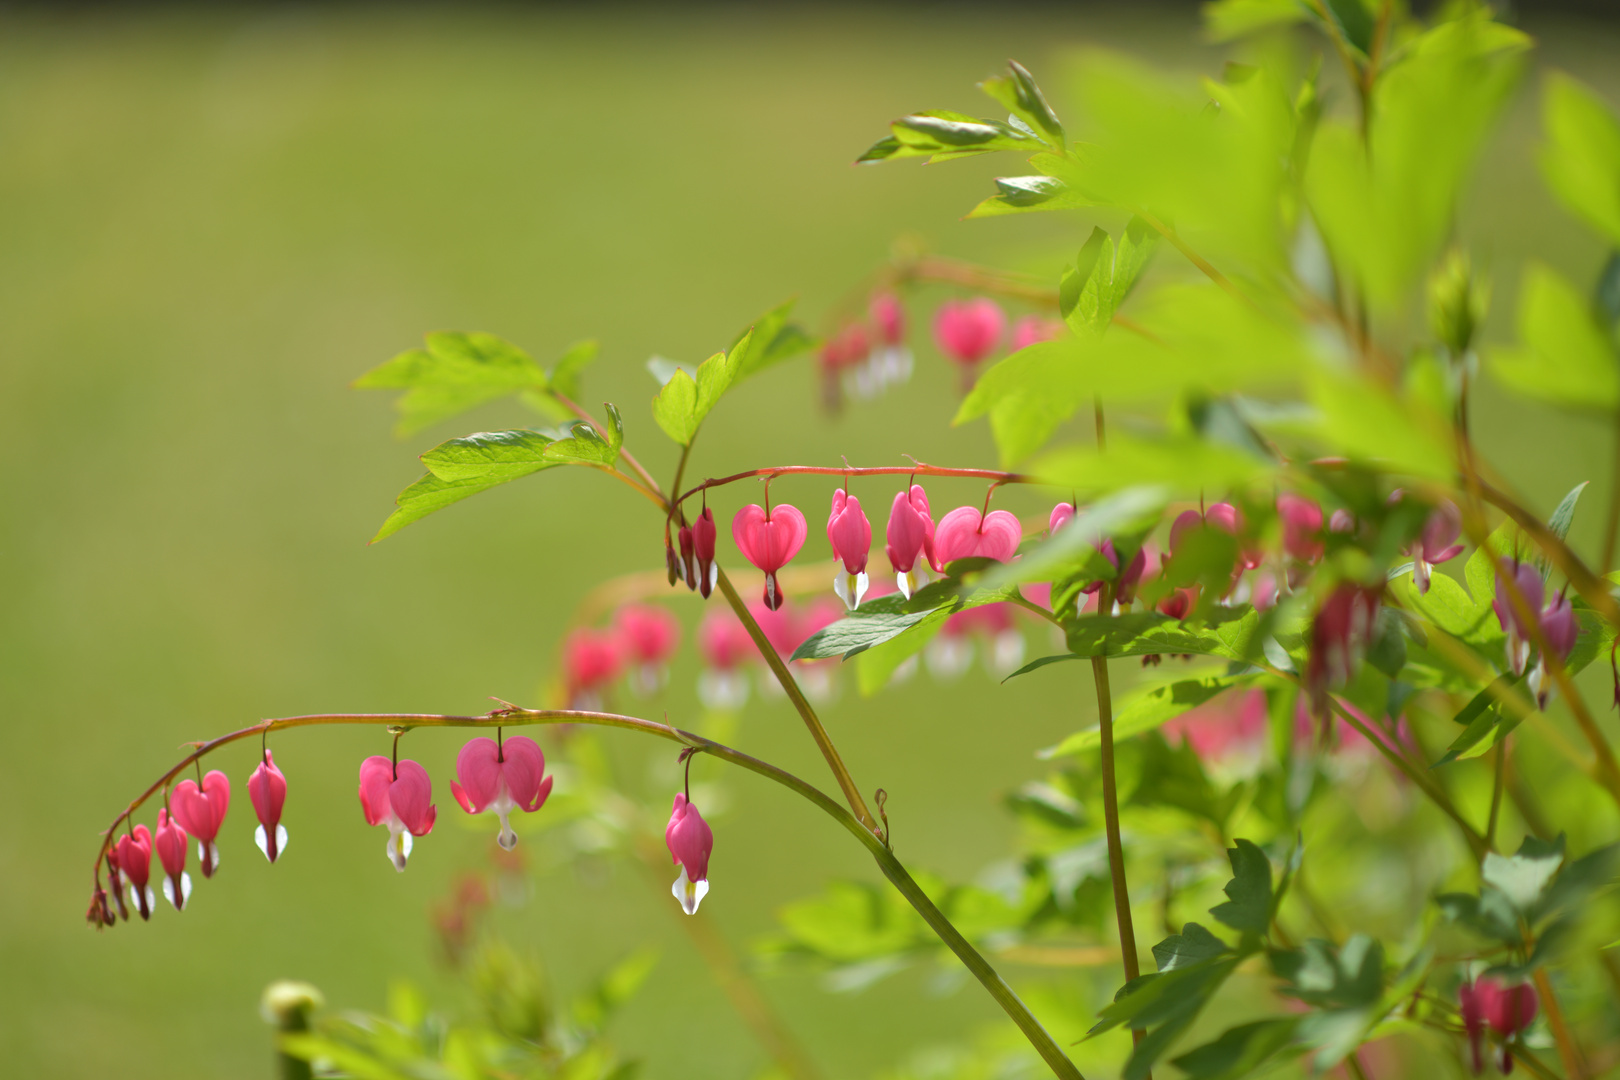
1110,794
1568,1052
1496,793
824,743
629,458
512,716
743,992
1193,257
917,469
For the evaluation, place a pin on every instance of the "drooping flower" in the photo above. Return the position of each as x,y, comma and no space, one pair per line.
891,361
684,568
201,811
725,646
505,776
964,533
1437,543
769,540
1339,635
1032,329
1302,527
649,635
135,861
267,789
968,330
846,366
690,841
1061,515
1222,517
399,797
910,535
115,883
1517,627
1507,1009
850,534
708,574
592,659
170,842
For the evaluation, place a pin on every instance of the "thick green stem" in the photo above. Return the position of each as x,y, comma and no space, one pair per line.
790,686
892,869
1110,793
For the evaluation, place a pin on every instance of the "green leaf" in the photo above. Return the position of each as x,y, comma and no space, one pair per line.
1563,516
1564,356
878,622
1171,1000
1485,720
1239,1052
1018,94
464,467
1448,606
1365,422
1192,945
1145,710
1321,974
1229,633
1022,194
1248,908
771,340
1581,159
1192,337
1174,776
584,446
456,372
1386,202
675,407
942,135
877,665
1092,290
1522,877
1228,19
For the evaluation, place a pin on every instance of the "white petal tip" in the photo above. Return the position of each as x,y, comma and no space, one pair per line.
689,893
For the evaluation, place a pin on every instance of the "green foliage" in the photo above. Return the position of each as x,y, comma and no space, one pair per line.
518,1033
1147,709
1565,356
460,371
889,617
1581,159
685,400
1091,291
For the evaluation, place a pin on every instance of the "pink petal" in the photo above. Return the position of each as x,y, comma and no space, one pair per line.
957,535
376,774
411,796
999,536
1062,514
524,771
479,774
267,789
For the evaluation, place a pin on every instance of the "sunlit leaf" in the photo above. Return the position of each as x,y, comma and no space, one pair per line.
1564,356
456,372
1581,159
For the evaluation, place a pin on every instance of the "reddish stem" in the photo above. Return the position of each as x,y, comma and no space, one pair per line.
918,469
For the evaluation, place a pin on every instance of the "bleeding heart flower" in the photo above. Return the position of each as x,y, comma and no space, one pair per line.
690,842
850,535
649,635
964,534
769,540
1517,627
967,330
592,660
1437,543
501,777
687,569
201,811
115,883
703,552
1338,638
135,861
1507,1009
399,797
725,646
888,317
1302,527
267,789
910,534
170,843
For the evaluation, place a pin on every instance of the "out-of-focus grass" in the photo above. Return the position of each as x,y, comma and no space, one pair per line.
209,223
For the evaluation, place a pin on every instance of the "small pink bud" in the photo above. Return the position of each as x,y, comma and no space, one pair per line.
115,883
1507,1009
1530,587
1338,638
170,843
501,777
1302,527
964,534
850,534
1061,515
769,540
399,797
267,790
1343,522
1560,626
690,842
910,534
846,349
967,330
703,552
135,861
889,318
688,557
201,811
725,646
649,636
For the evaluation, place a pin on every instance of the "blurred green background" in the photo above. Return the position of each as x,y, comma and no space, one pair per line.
211,221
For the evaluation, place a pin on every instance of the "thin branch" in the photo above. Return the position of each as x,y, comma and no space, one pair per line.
824,743
918,469
1037,1035
1568,1051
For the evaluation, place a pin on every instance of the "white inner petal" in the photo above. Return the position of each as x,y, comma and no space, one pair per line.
689,893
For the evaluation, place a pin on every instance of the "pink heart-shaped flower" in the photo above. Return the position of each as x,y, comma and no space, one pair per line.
964,533
769,541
